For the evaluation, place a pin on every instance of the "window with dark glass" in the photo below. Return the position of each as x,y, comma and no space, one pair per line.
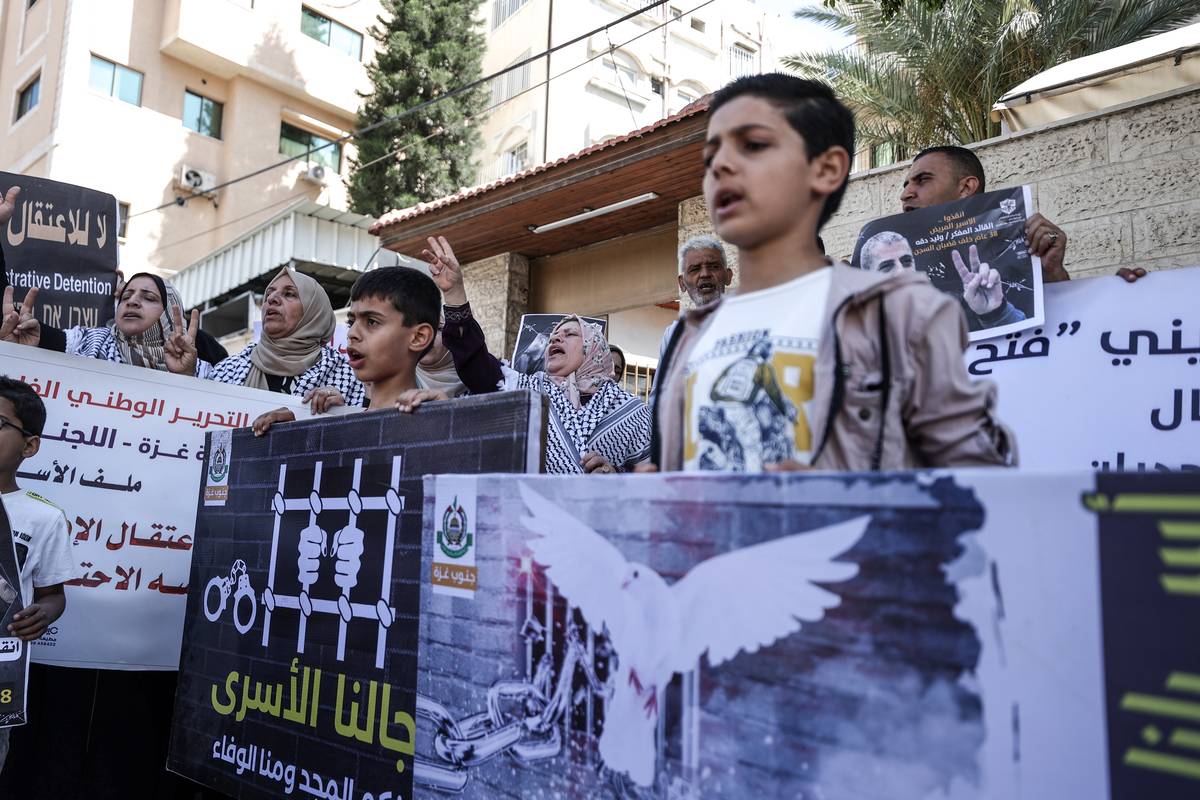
27,98
122,219
202,115
116,81
330,32
295,141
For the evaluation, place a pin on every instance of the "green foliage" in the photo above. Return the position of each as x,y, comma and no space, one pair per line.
927,72
425,49
890,7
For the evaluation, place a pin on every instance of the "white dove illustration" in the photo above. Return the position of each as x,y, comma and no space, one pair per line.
738,601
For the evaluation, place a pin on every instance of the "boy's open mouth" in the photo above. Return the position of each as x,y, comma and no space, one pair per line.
354,357
726,198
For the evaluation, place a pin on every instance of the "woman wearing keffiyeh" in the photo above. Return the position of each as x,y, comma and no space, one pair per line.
147,331
595,425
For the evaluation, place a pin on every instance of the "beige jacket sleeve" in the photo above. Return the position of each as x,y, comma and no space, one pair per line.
951,419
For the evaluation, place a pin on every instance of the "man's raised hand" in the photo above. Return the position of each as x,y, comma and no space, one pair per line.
982,288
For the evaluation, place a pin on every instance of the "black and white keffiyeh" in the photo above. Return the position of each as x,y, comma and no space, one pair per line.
332,369
613,423
98,343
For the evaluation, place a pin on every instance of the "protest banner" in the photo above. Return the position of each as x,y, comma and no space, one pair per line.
969,634
954,244
14,655
62,239
121,454
529,353
299,655
1111,381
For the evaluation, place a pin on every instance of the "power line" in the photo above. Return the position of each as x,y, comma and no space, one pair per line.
414,109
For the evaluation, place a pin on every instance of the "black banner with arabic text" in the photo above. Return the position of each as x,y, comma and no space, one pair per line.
62,239
299,661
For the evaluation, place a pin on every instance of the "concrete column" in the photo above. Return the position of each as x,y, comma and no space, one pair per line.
498,288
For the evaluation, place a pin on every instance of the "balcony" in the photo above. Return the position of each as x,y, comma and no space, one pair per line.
229,39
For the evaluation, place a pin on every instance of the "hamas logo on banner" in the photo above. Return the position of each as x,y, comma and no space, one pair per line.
453,570
216,474
453,538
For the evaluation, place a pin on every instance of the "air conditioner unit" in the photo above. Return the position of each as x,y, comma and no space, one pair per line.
315,174
196,180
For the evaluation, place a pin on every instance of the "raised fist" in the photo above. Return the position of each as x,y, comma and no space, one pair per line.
347,550
314,543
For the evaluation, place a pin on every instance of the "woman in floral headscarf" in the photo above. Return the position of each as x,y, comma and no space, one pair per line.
595,425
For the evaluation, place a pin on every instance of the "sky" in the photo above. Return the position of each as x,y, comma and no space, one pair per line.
812,36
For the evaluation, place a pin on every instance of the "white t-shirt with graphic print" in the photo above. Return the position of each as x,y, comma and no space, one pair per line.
750,378
42,539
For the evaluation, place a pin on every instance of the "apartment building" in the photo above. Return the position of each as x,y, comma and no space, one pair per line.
155,100
608,84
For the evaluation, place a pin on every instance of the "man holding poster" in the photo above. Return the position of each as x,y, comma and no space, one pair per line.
973,249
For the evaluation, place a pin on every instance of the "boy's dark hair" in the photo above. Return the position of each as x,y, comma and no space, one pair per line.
410,291
810,108
964,160
29,408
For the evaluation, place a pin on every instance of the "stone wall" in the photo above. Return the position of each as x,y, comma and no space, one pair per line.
498,288
1124,184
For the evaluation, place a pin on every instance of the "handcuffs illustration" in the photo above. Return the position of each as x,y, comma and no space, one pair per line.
239,576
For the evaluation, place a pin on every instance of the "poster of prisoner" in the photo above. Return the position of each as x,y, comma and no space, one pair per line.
959,634
62,240
973,250
529,353
299,657
14,655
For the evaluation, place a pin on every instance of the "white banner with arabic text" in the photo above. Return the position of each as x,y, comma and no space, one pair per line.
1111,381
122,453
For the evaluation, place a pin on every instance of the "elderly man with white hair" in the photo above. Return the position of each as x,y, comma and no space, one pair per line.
704,274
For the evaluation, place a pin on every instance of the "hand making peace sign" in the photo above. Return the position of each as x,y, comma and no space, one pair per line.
982,288
446,272
19,325
180,347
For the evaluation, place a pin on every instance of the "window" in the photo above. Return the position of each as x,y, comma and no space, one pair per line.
122,219
686,96
503,9
675,13
27,98
514,160
741,61
295,141
512,82
619,70
656,85
30,3
116,81
644,5
698,25
202,115
335,34
883,155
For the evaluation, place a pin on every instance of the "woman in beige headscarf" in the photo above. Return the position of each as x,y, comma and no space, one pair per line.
293,355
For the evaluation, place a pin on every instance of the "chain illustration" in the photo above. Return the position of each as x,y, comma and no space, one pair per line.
239,576
523,717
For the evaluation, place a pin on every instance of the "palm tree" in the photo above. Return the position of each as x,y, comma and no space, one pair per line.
923,74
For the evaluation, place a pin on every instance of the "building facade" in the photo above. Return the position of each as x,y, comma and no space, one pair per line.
154,100
640,71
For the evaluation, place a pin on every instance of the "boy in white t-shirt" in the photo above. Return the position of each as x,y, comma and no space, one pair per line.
811,363
41,535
